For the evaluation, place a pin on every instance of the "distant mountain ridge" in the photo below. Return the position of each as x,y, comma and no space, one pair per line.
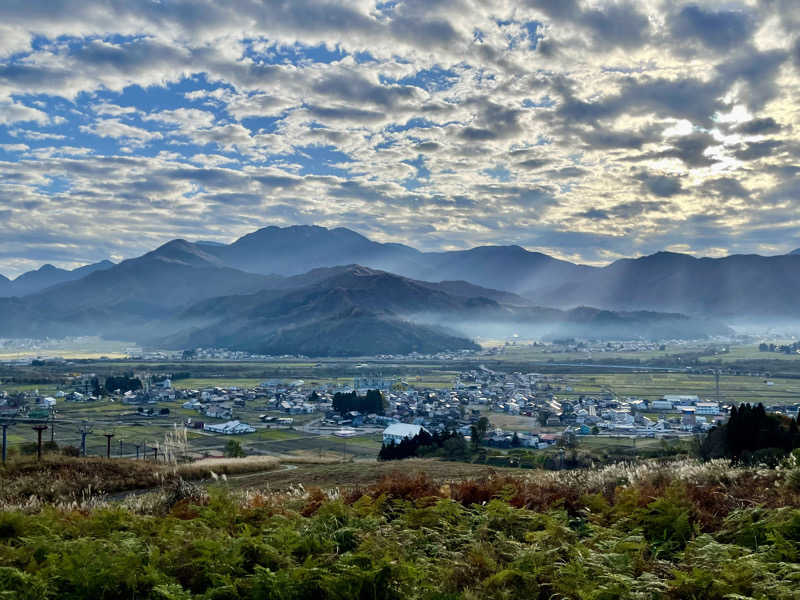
47,276
736,286
179,296
297,289
298,249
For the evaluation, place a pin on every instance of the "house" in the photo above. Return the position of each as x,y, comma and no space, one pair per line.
218,412
661,405
681,398
707,408
397,432
553,421
548,439
229,428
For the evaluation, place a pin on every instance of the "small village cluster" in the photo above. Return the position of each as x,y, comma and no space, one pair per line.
551,403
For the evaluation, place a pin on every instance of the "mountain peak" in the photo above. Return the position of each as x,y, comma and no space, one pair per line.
182,251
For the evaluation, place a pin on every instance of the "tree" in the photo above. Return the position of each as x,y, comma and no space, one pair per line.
314,397
515,443
233,449
474,438
482,426
542,417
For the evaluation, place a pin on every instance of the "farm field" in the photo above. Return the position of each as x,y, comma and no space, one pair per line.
654,385
749,352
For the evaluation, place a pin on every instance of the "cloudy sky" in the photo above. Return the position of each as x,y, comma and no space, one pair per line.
587,129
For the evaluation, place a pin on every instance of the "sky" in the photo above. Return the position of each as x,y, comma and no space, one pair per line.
587,129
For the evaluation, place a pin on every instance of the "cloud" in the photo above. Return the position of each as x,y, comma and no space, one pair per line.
757,150
11,113
610,24
663,186
455,122
716,30
761,126
727,187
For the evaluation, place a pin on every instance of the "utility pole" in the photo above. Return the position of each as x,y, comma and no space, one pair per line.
717,377
85,429
39,429
120,448
137,446
52,424
5,425
108,437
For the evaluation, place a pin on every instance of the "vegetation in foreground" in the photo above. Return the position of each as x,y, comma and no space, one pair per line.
654,530
62,479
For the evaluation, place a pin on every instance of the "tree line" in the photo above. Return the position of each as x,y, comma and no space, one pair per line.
372,403
751,435
448,444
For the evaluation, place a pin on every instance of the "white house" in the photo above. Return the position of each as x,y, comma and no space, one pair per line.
707,408
397,432
685,399
229,428
661,404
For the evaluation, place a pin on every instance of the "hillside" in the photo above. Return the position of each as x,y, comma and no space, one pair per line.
126,299
357,310
738,286
675,530
354,311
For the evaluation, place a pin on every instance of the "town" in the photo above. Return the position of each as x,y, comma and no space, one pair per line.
527,410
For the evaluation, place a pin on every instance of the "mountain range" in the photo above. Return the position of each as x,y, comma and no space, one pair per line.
734,287
46,276
319,291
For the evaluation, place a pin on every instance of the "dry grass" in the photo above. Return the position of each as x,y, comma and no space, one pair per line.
201,469
63,479
310,458
355,474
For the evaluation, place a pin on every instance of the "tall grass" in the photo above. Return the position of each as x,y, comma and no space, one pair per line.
204,468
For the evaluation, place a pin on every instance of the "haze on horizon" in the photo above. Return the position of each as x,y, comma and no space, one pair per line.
586,129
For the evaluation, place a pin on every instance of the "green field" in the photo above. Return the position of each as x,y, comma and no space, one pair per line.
654,385
749,353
